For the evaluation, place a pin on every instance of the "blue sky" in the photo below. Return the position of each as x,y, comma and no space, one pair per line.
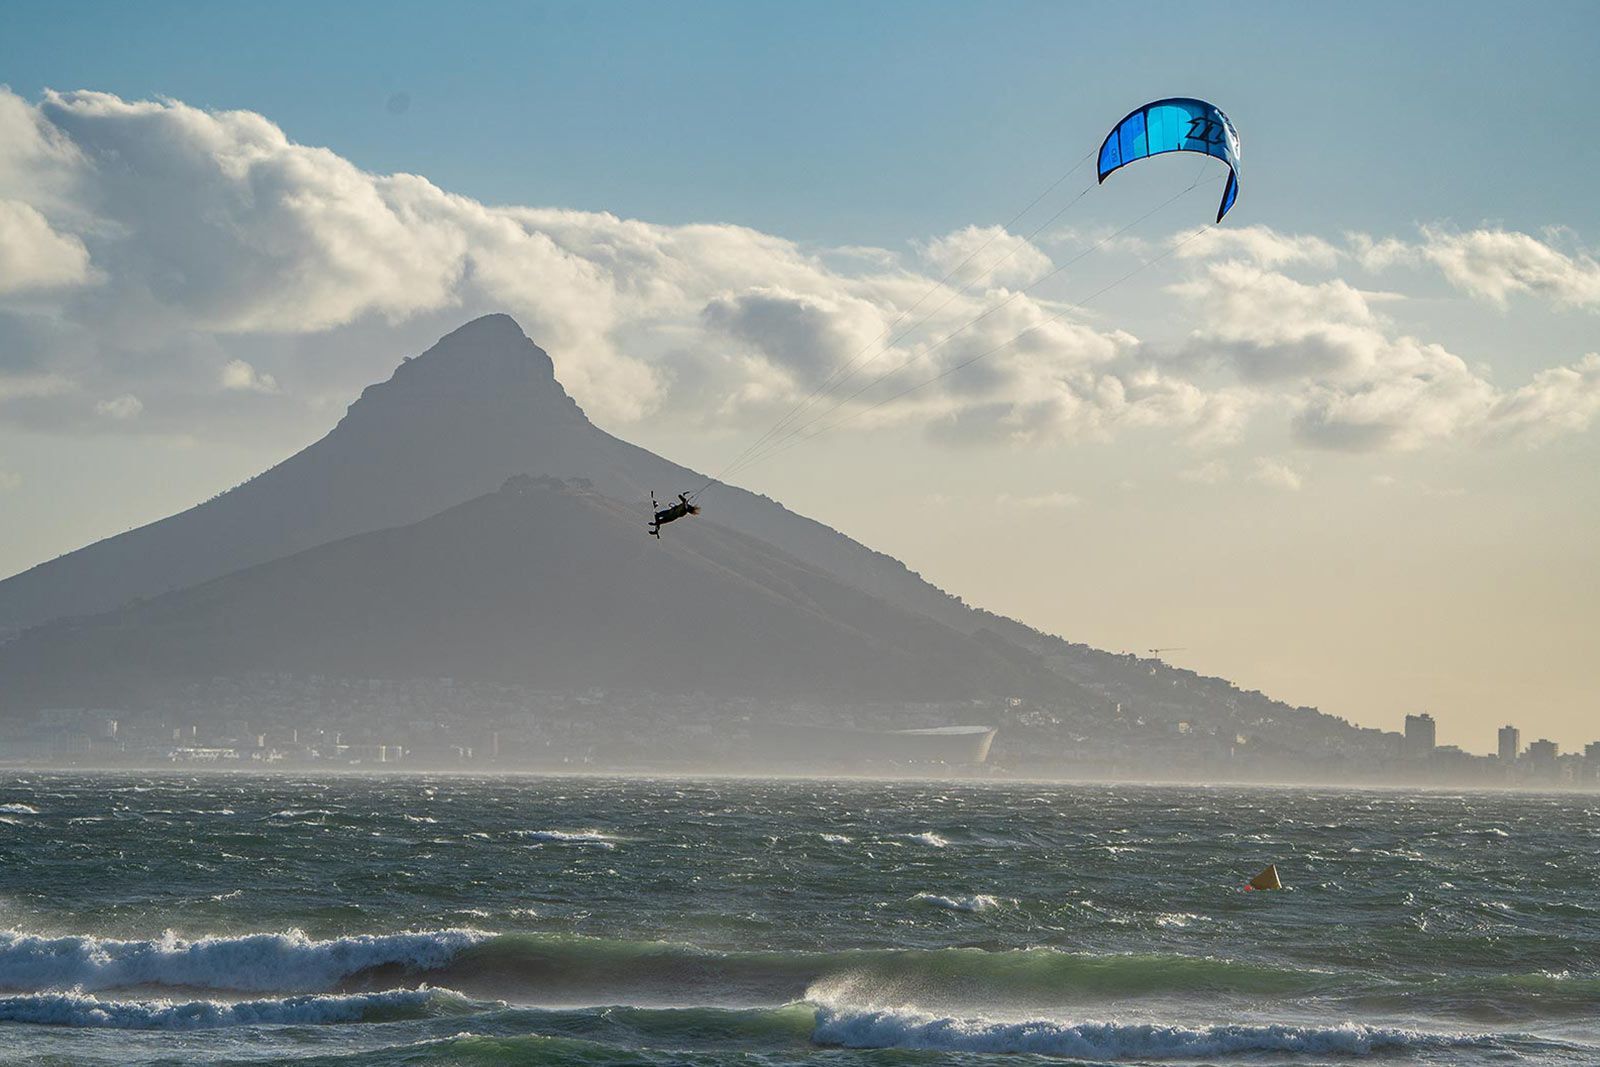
1343,451
875,123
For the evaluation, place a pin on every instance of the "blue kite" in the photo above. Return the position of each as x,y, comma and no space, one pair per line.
1176,125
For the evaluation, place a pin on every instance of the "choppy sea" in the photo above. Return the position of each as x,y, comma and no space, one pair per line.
415,920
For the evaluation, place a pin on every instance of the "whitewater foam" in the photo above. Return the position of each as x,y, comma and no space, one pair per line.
87,1010
277,962
909,1028
18,809
975,902
568,837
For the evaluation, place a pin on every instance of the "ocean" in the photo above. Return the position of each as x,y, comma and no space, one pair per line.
232,919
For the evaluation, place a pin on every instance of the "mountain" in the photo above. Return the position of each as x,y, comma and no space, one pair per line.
480,406
541,584
440,438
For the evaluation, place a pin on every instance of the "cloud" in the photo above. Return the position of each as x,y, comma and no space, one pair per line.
1261,245
1355,383
985,253
1276,475
1558,400
124,407
239,376
1494,265
9,479
810,334
163,245
34,256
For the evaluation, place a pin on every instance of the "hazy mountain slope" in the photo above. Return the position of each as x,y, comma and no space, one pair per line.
478,407
483,405
540,584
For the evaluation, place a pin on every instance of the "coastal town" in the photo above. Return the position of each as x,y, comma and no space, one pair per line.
287,722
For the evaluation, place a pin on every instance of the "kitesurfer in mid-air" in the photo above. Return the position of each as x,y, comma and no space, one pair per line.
672,513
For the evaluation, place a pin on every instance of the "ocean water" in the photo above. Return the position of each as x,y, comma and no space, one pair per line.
413,920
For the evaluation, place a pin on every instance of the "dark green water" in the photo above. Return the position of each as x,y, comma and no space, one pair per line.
215,919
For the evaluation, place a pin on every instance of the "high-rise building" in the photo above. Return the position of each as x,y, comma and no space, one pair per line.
1510,743
1542,760
1420,736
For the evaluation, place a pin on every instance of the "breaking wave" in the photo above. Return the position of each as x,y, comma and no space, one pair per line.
277,962
78,1009
570,837
910,1029
975,902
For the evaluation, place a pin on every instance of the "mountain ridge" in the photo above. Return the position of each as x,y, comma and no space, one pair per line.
483,405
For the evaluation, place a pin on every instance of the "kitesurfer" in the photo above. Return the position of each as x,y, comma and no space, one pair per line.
671,513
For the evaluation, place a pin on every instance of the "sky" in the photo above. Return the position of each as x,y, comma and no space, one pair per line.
1340,448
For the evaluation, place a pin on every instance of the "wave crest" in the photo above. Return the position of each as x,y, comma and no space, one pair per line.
88,1010
910,1029
277,962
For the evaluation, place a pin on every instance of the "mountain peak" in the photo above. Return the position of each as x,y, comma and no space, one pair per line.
497,328
488,361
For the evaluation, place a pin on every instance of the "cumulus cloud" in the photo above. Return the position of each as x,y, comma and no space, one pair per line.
214,225
1558,400
1494,265
985,253
34,256
239,376
150,245
1353,381
1258,244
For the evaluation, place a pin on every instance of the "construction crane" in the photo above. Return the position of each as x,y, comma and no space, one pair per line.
1156,652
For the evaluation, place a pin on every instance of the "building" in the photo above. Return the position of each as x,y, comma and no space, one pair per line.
1420,736
1510,743
1543,760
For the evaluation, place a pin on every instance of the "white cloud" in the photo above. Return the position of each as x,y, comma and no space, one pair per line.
237,375
985,253
1352,380
121,408
1558,400
1276,475
210,237
34,256
1494,265
1258,244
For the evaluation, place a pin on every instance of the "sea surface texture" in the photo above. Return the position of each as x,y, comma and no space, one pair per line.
410,920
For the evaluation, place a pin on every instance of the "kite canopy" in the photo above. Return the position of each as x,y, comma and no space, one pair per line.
1176,125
